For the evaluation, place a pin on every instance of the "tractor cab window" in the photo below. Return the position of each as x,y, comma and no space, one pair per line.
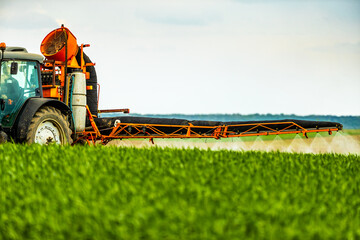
18,81
23,83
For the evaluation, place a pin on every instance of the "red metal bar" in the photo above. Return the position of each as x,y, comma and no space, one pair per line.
124,110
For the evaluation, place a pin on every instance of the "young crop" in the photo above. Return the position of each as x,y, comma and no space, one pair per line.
127,193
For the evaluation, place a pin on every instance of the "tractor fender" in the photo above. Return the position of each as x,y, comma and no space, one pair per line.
27,112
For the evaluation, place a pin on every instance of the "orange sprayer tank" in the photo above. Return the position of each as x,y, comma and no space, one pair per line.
53,45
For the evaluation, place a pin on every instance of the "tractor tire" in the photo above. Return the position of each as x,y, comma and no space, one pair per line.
49,126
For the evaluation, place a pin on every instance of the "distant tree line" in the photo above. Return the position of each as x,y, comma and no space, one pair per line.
349,122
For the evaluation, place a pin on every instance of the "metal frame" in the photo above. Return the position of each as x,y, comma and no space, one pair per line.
153,131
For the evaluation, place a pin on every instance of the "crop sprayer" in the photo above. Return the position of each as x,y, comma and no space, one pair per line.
54,99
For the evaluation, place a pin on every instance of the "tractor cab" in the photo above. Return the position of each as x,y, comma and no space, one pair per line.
19,81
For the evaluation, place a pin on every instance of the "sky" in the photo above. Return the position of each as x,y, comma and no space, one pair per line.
208,56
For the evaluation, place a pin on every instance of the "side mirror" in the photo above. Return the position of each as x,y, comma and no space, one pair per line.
14,68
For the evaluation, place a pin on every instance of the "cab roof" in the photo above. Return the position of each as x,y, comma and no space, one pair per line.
21,54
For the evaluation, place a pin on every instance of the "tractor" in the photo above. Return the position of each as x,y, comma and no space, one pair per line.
53,98
25,114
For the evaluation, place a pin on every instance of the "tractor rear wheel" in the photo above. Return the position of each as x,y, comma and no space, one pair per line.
49,125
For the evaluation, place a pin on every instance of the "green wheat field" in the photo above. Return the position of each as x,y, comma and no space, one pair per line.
82,192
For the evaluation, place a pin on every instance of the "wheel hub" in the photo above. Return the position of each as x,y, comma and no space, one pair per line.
47,132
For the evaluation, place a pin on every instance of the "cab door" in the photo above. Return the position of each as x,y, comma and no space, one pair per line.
19,80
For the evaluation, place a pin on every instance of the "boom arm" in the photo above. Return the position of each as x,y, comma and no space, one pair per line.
106,129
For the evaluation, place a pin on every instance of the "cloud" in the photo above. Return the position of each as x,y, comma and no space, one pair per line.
28,21
179,13
30,17
177,20
339,47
